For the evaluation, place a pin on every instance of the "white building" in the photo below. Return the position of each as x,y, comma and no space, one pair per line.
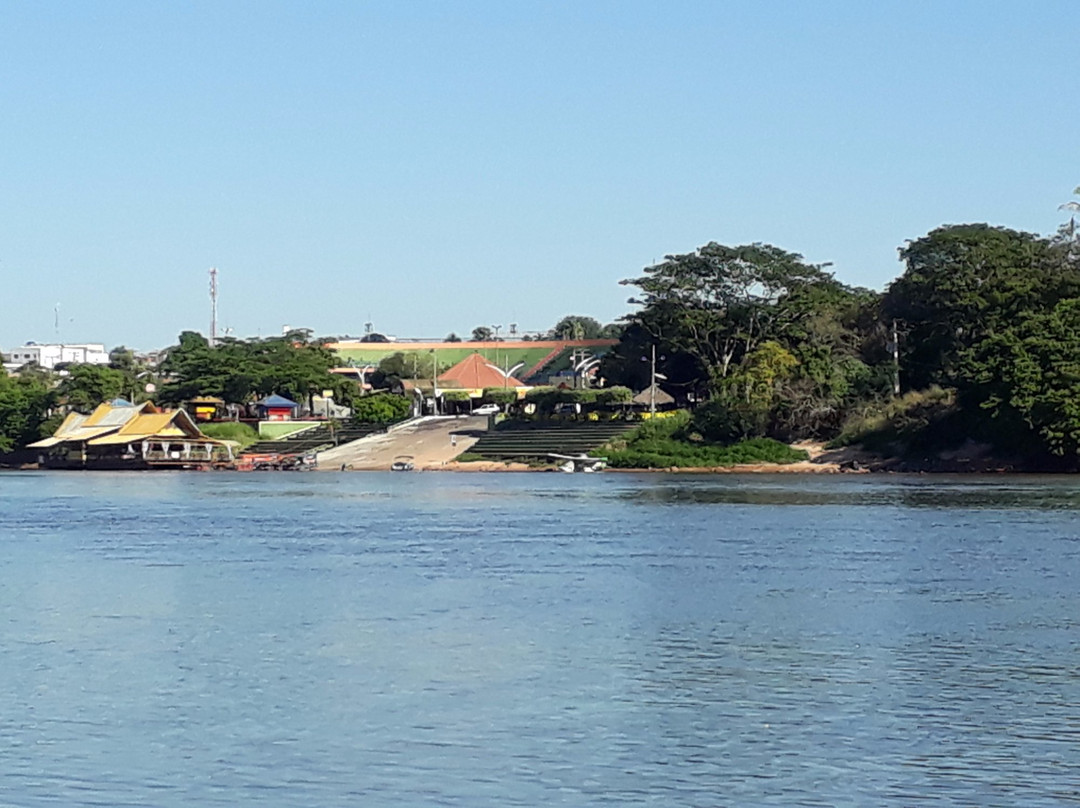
49,356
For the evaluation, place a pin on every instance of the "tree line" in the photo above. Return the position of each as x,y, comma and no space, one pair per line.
984,320
237,371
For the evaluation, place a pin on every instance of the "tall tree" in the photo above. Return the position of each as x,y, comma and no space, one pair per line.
240,371
576,326
964,283
718,303
86,386
25,403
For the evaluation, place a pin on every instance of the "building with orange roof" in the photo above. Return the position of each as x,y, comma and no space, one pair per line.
475,373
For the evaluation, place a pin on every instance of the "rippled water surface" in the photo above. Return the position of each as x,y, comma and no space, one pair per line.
538,639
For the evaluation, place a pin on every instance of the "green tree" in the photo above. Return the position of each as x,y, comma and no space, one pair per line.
25,404
1026,380
576,326
718,303
241,371
86,386
381,408
482,334
995,314
398,366
123,359
744,406
964,283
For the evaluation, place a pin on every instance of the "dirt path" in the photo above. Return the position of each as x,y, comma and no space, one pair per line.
429,444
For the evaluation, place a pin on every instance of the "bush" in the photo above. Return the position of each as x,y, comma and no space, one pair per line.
470,457
917,418
673,443
381,408
671,453
615,395
498,395
724,421
547,399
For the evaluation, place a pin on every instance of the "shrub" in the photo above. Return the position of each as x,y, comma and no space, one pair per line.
724,420
615,395
547,399
498,395
915,419
671,453
381,408
673,443
470,457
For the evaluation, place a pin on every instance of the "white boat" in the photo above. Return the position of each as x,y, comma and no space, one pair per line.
584,463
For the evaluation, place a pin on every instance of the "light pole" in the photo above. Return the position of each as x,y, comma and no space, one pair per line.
434,383
653,376
496,328
507,372
652,383
582,368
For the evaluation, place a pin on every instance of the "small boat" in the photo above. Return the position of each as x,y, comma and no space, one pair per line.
584,463
402,463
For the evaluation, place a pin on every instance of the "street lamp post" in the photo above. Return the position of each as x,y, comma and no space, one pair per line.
653,376
434,383
652,384
508,371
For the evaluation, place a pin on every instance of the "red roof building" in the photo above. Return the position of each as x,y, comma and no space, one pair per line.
474,372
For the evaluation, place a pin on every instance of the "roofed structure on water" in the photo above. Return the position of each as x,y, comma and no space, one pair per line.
120,435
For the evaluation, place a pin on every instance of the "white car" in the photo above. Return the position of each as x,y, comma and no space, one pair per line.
486,409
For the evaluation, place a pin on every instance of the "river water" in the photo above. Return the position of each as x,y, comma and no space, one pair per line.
538,639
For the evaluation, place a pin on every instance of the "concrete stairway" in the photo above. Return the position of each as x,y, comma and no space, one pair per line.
527,439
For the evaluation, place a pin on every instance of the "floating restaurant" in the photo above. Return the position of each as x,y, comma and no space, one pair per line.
122,435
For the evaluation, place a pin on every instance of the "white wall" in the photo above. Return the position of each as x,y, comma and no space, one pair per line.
49,356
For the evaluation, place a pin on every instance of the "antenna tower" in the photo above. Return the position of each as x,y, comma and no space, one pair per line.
213,307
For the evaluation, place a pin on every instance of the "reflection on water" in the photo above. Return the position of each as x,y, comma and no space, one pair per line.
371,639
911,491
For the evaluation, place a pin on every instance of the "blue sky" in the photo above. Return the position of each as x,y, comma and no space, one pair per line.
434,166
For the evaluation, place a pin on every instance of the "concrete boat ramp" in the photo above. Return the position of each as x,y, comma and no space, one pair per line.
428,443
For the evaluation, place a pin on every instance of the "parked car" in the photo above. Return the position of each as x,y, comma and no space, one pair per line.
402,463
486,409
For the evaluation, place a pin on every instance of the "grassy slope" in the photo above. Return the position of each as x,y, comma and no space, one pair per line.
231,430
662,444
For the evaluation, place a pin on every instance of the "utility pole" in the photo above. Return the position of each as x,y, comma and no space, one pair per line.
496,329
895,359
434,382
652,384
213,307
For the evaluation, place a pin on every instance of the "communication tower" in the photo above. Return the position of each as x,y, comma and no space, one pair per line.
213,307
